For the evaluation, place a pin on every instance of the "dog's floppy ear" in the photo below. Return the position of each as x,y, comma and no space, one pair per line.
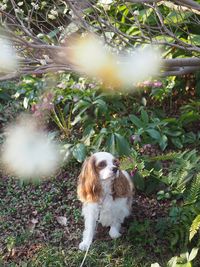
89,187
122,186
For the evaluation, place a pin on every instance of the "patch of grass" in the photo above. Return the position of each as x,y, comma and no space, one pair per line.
77,215
109,254
51,244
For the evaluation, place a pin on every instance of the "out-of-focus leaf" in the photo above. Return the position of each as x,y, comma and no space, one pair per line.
193,254
144,116
111,144
79,152
163,142
154,133
194,39
177,142
122,145
175,17
137,122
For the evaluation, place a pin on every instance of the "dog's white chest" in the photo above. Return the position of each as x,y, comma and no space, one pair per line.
105,212
112,211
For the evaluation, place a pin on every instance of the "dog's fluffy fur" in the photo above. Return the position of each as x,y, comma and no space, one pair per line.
106,194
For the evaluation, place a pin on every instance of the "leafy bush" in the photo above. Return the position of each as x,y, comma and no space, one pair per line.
90,119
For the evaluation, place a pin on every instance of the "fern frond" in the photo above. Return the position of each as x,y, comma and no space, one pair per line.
183,173
192,194
194,227
168,156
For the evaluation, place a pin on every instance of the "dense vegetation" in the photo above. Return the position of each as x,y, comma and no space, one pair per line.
153,129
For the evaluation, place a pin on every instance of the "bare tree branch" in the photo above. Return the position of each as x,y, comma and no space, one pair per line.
181,62
38,39
189,3
181,71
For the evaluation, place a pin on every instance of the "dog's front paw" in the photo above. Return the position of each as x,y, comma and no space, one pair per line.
114,233
84,246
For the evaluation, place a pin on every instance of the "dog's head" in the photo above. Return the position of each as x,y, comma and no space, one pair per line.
97,168
106,165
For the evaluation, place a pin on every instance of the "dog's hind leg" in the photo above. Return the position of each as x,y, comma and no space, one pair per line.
114,230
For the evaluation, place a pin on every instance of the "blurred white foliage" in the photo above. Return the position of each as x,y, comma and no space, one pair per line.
8,58
141,64
28,152
90,55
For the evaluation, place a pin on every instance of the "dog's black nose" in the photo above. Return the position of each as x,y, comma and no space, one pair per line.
114,169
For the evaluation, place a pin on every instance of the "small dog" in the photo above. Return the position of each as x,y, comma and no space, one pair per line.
106,194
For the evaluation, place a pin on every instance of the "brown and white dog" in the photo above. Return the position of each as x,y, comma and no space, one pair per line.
106,194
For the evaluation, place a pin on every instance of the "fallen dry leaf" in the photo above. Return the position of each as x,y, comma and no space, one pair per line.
62,220
31,224
34,220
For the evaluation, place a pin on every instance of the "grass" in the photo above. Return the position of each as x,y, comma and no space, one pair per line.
110,253
46,243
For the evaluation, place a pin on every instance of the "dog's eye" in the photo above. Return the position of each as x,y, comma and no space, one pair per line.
116,162
102,164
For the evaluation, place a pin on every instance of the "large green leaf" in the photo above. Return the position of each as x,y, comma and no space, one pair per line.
177,142
4,96
175,17
111,145
79,152
174,133
122,145
101,103
154,134
137,122
163,142
87,134
98,140
81,104
194,39
193,254
144,116
139,181
78,118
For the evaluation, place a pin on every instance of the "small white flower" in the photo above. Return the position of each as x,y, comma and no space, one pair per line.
36,6
19,11
3,7
54,12
20,3
52,17
136,13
